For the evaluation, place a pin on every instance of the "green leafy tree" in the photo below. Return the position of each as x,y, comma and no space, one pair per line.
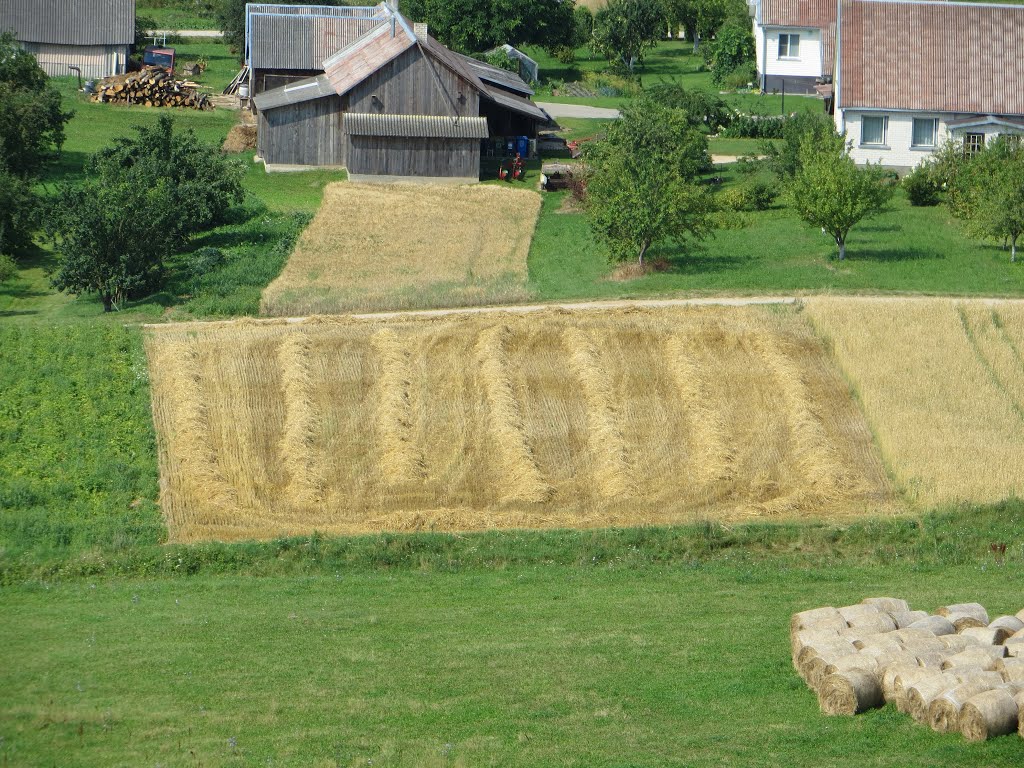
784,156
988,192
478,25
625,30
143,198
642,181
831,192
732,48
703,108
32,124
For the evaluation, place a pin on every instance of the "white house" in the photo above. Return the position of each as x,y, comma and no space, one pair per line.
913,73
795,42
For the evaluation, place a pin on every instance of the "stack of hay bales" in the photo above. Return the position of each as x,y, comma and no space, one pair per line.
953,670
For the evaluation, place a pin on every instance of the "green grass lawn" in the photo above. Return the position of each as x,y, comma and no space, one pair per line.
906,249
175,16
592,665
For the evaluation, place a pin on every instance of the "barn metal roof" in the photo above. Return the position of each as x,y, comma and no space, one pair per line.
300,37
497,76
416,126
82,22
516,103
295,93
932,56
364,56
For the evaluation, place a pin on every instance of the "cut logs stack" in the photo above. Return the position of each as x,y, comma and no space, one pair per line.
151,87
953,670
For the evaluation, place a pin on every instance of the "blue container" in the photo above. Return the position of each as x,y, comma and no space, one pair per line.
523,146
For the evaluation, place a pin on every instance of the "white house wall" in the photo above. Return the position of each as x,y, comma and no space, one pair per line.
808,64
898,152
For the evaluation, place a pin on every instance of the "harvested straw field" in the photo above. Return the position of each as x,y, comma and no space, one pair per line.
377,247
554,419
941,382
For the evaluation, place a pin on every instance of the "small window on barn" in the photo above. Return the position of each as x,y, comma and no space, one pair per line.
926,130
973,143
872,131
789,46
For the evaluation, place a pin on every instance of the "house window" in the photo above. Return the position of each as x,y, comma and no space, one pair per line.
789,46
925,131
973,143
1012,139
872,131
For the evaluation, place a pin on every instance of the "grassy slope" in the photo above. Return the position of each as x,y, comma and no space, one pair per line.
174,16
907,249
541,665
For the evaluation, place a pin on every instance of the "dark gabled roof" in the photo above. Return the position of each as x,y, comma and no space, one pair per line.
932,57
300,37
416,126
64,22
497,76
518,104
295,93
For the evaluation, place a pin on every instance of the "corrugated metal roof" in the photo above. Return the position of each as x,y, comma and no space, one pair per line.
295,93
361,58
819,14
416,126
932,56
301,37
496,75
82,22
516,103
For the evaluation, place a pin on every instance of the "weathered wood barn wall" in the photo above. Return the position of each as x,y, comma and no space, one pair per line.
307,133
94,35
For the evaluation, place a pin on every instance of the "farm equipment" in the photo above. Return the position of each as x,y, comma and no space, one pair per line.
154,56
511,169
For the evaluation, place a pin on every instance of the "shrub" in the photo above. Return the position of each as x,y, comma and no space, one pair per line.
703,108
609,84
203,260
756,127
743,76
920,187
749,196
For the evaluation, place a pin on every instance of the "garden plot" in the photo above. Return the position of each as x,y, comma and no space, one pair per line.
554,419
380,247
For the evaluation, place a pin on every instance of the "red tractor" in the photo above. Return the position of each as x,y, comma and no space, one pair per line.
511,169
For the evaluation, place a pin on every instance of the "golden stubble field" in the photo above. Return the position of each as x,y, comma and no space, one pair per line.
942,384
554,419
383,247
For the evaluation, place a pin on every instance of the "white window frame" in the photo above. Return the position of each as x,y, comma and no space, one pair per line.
789,55
935,132
885,130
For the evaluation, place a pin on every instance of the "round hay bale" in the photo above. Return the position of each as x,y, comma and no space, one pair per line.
921,694
878,641
918,638
937,625
859,611
1012,623
848,693
806,637
817,618
906,618
988,714
983,656
887,604
1020,614
931,659
872,623
823,651
944,711
904,681
1014,673
957,643
962,621
977,610
896,675
841,666
987,635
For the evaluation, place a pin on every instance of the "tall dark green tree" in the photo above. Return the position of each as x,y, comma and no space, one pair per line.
143,198
472,26
32,124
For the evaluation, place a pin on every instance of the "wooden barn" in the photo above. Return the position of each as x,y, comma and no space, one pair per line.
391,102
93,35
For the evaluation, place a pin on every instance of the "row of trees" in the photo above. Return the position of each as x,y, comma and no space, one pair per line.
644,185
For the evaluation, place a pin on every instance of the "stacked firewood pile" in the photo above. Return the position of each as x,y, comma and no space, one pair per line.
953,670
151,87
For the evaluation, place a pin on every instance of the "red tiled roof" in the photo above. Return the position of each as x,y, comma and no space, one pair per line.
932,56
820,14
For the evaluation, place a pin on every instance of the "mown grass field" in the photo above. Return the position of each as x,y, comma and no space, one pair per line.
546,420
591,665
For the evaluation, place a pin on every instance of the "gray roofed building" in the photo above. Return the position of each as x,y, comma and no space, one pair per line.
94,35
300,37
